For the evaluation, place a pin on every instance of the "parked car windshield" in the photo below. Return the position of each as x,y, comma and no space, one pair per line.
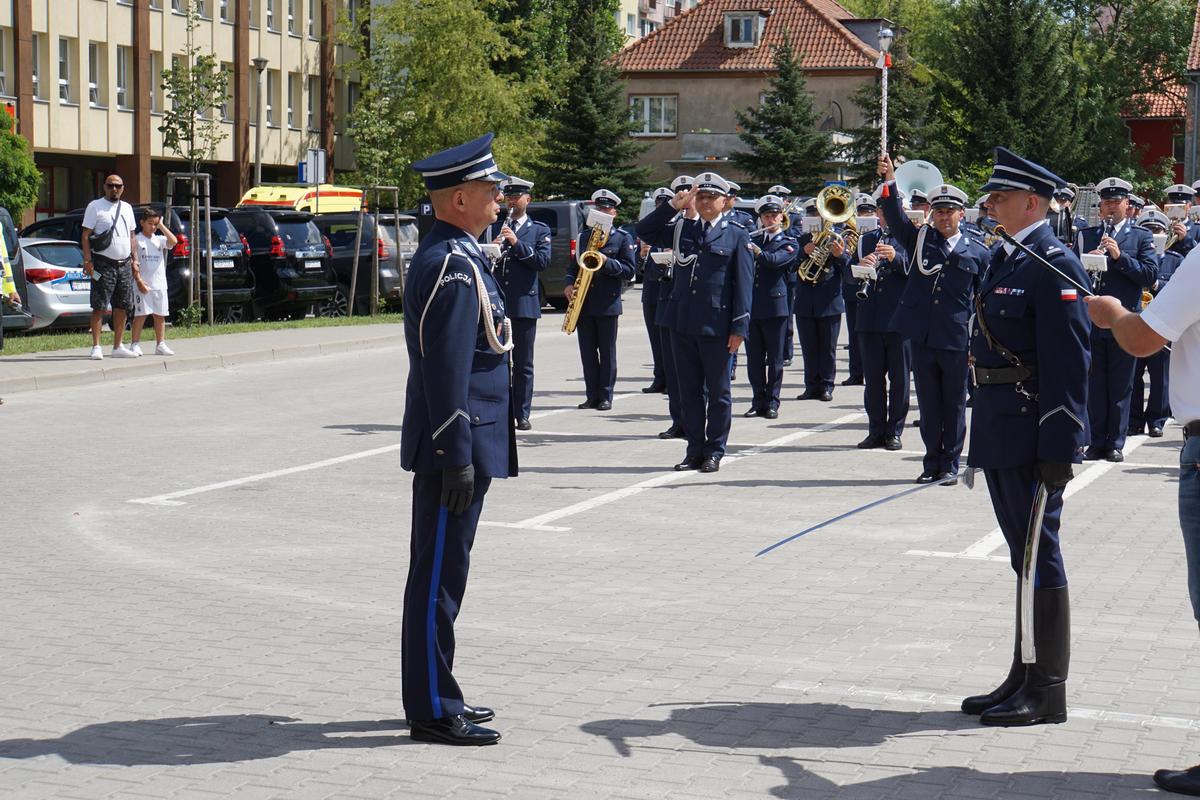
342,234
66,255
222,230
299,233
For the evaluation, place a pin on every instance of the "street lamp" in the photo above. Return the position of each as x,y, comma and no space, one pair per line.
260,64
886,37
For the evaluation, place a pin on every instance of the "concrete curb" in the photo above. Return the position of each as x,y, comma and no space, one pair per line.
149,366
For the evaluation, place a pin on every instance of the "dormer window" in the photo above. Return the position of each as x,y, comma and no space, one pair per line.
744,29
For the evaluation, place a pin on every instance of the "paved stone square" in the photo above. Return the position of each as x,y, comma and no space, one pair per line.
202,577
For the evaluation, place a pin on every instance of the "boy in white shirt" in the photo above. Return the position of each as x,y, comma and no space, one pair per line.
154,241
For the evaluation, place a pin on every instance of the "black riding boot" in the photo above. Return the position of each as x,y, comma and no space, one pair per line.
977,704
1042,697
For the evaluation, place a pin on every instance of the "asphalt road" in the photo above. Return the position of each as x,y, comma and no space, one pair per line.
203,573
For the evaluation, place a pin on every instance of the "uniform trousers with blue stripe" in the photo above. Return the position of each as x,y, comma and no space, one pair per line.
705,396
672,377
598,351
856,367
941,378
649,310
764,360
1012,499
789,342
1155,410
524,332
818,348
439,557
886,369
1110,391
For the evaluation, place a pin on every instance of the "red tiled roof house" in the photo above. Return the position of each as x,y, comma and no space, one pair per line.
686,80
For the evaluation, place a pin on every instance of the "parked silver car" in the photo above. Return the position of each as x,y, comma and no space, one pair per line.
59,291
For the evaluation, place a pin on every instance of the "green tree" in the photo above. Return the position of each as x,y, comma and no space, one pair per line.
909,98
536,54
196,88
427,84
783,140
916,20
19,176
588,142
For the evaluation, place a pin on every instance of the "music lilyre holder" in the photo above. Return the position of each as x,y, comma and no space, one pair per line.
662,258
1160,242
867,223
598,219
917,218
860,273
491,250
1094,262
1176,212
971,214
811,224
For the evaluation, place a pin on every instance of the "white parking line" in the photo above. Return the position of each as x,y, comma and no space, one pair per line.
876,696
982,550
541,520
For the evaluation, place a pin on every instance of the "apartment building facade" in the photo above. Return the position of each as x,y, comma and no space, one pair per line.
84,78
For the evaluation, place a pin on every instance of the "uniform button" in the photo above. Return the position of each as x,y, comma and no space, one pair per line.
693,291
477,419
935,302
440,452
1024,409
1002,312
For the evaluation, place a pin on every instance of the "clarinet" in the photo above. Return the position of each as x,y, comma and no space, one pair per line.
1107,230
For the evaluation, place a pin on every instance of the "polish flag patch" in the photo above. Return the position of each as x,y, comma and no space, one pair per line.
1069,295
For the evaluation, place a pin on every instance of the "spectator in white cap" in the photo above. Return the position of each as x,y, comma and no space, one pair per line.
597,326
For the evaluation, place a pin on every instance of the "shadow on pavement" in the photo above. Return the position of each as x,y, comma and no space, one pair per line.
363,429
202,740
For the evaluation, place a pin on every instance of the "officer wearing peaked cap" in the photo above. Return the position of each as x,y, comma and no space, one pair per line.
652,280
597,328
1185,232
933,315
775,255
818,309
1131,266
457,433
865,205
1151,414
735,214
682,183
525,254
1029,346
708,310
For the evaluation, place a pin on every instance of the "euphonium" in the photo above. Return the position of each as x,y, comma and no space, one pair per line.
590,261
835,205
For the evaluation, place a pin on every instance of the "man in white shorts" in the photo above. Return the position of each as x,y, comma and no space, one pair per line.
154,241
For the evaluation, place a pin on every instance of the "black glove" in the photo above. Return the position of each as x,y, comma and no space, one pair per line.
458,487
1055,474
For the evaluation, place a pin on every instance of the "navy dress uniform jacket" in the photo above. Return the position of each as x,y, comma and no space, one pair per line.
935,310
604,296
876,311
1136,269
824,298
456,405
771,268
652,279
1043,321
518,268
712,296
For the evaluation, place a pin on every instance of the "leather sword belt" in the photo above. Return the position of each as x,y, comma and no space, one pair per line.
1191,429
991,377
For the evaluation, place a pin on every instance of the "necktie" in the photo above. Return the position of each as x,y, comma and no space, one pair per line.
707,227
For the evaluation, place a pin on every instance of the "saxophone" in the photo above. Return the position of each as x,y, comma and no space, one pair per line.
590,261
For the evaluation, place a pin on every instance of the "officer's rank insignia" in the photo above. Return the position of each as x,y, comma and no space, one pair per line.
1012,291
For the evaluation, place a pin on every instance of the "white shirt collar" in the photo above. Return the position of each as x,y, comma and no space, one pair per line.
1022,234
953,241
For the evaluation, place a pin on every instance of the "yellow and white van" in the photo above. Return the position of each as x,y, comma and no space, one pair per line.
316,199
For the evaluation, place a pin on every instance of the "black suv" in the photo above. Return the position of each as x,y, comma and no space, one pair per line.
289,259
341,229
399,231
566,219
233,281
14,319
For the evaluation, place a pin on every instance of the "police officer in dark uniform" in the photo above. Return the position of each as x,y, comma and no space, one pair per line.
1184,232
652,280
885,353
458,430
1154,412
818,308
597,330
525,252
682,183
735,214
708,311
865,206
1131,266
1029,345
919,201
774,257
933,315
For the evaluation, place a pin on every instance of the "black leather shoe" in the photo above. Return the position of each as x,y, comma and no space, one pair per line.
456,730
1132,431
809,394
825,396
853,380
1115,456
604,405
523,425
673,432
871,443
1156,433
771,413
892,443
1093,454
655,388
586,404
947,479
687,465
710,464
926,477
979,703
787,362
478,714
1179,781
753,412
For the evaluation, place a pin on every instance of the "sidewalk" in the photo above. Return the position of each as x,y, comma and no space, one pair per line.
73,367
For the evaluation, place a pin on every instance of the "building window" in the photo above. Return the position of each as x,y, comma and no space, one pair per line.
96,75
66,92
156,5
177,6
1178,147
630,25
124,69
291,9
352,11
225,11
35,44
5,49
352,94
312,19
654,115
314,94
272,93
648,27
253,4
293,97
156,70
227,72
742,30
271,15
